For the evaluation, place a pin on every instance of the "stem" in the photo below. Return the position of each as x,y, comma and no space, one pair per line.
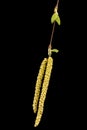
57,4
50,45
52,34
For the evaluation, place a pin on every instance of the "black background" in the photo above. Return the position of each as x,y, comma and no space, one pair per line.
25,36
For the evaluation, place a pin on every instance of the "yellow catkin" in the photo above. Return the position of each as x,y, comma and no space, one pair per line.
44,91
38,84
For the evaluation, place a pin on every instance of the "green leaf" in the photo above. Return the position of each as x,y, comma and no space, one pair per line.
54,17
55,50
58,20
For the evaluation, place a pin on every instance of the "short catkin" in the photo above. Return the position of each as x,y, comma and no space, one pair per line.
38,84
44,90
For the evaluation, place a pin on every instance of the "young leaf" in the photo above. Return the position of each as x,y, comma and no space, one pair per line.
58,20
54,17
55,50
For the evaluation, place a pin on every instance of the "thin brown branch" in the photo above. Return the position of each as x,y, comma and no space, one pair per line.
50,45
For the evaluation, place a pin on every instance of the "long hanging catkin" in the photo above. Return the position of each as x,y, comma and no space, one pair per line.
38,84
44,91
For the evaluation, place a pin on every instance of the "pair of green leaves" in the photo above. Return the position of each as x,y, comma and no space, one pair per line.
52,50
55,18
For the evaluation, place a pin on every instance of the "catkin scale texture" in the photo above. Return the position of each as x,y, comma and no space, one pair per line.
38,84
44,91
